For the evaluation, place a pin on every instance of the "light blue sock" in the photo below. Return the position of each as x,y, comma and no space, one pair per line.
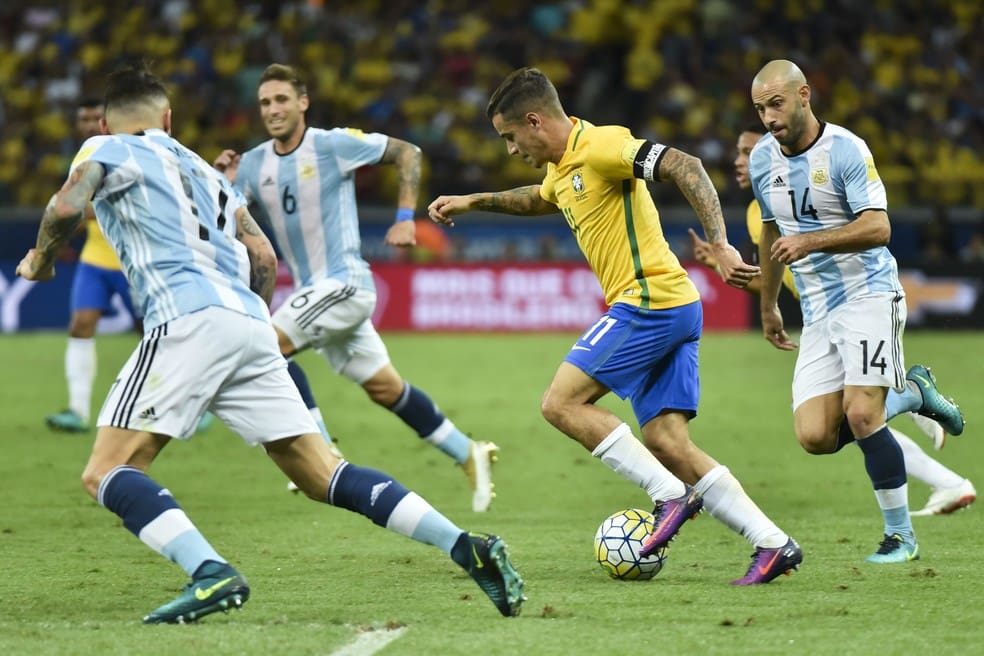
908,400
151,513
897,521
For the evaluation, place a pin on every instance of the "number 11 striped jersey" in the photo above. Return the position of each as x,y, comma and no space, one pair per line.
826,186
170,217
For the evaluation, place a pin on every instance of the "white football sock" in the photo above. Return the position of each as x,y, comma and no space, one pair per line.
627,457
726,501
920,466
80,372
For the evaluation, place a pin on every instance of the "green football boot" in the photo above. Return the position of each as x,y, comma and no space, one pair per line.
215,586
935,405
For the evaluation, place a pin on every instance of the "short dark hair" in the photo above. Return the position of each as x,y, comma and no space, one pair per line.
524,90
285,73
90,102
133,84
757,128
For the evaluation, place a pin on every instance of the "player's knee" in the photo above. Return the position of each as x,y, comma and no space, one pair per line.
83,325
816,442
863,422
91,478
552,408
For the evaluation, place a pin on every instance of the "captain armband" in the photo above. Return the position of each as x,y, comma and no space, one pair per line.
645,164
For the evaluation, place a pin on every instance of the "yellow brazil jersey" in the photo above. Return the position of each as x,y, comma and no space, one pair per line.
753,219
614,219
97,250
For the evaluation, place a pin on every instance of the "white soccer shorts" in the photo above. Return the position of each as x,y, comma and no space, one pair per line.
858,344
335,320
214,359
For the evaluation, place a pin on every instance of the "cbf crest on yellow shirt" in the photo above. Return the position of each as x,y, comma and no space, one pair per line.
614,219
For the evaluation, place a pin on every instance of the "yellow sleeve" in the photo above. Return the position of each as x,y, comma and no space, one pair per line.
753,219
611,150
547,186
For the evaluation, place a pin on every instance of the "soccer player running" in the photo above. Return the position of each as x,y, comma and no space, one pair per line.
949,491
645,347
203,273
302,183
824,214
97,279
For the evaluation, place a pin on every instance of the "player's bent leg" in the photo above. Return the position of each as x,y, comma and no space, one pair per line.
118,447
817,423
569,405
116,477
389,504
418,411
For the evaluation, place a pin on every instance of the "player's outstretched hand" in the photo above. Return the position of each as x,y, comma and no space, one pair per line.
228,163
703,252
28,267
775,333
444,207
732,268
401,233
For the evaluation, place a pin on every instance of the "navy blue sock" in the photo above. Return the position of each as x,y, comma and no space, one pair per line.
417,410
845,436
135,497
151,513
883,459
301,381
366,491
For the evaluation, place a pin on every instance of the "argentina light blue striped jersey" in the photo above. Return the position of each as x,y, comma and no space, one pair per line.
826,186
307,198
170,217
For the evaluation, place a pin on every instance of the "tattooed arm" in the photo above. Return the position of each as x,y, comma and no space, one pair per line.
408,159
687,172
61,218
525,201
262,258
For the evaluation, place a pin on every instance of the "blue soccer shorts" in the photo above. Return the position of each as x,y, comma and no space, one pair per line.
93,288
647,356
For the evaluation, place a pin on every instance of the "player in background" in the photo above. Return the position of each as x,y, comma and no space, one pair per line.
948,490
97,279
203,273
645,347
824,215
301,181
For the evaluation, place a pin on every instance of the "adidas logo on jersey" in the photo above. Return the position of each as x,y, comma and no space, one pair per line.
269,181
148,414
778,182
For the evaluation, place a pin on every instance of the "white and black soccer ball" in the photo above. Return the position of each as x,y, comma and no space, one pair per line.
618,543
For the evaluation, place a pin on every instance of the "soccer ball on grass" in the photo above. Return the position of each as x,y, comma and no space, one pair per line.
618,542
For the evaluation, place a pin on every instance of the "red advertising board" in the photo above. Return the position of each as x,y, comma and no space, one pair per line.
498,297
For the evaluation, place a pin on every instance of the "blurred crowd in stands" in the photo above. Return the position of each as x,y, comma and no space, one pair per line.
904,74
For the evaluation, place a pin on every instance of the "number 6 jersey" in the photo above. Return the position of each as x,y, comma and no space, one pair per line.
307,198
826,186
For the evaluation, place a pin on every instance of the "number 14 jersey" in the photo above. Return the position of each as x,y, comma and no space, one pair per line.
825,187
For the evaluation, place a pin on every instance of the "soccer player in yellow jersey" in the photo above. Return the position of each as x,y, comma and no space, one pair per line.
97,279
950,491
645,347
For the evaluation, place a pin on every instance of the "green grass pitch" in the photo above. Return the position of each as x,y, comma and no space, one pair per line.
76,582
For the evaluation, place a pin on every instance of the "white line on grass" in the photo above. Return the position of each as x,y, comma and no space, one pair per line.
367,643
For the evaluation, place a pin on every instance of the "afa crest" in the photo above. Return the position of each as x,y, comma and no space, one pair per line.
819,176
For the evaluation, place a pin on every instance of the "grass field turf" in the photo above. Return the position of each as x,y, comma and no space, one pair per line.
76,582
